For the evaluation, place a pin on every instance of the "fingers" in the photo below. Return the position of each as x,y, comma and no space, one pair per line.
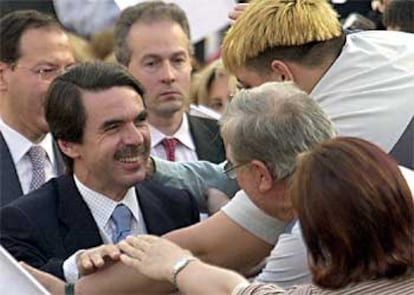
131,262
133,247
95,258
237,11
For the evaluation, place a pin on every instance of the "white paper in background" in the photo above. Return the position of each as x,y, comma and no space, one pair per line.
205,16
15,280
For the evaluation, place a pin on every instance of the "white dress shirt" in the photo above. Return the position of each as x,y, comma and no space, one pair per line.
101,208
19,146
185,150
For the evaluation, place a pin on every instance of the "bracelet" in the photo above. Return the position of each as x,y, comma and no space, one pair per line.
69,289
179,265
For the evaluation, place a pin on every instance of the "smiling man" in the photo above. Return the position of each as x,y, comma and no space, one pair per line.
97,116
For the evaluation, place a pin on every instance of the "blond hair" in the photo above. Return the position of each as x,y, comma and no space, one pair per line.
202,81
278,23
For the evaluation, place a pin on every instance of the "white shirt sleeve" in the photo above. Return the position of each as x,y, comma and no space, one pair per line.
70,268
246,214
287,264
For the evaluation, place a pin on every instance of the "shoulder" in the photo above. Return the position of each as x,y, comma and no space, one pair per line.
163,192
45,197
198,121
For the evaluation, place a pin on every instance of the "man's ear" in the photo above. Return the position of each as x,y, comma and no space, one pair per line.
3,76
280,71
262,175
70,149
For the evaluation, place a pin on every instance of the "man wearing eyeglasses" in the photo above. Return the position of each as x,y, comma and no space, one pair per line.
34,50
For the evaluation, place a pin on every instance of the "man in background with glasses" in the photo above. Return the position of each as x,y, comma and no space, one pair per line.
34,50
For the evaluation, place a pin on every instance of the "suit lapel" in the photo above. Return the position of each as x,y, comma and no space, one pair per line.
152,210
81,230
10,187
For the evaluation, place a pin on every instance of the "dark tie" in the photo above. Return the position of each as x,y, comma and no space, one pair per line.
169,145
38,157
122,220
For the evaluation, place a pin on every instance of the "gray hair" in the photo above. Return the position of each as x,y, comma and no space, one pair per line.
146,12
274,123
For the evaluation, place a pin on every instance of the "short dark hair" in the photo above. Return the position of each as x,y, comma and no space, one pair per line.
400,13
356,213
64,109
146,12
12,27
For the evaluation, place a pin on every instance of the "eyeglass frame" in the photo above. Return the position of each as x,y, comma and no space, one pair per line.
230,169
42,72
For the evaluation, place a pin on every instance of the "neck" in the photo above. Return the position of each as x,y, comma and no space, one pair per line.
34,137
308,77
167,125
280,204
113,193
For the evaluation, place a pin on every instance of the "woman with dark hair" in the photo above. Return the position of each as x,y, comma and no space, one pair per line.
357,218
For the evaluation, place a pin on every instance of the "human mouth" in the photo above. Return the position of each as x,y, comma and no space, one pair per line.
129,159
130,154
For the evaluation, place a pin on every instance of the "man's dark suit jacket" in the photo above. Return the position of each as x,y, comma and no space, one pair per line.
208,142
10,188
48,225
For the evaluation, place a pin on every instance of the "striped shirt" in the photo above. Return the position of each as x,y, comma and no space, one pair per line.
401,286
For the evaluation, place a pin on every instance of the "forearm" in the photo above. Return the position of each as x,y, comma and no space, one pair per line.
196,177
201,278
220,241
120,279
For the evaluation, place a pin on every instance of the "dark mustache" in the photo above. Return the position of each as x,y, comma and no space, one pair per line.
132,151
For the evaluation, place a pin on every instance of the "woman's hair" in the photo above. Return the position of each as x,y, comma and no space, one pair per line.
356,212
203,81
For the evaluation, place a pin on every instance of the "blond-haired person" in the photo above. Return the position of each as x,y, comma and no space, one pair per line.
211,90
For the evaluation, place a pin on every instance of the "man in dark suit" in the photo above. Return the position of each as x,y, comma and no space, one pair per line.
153,42
96,114
34,50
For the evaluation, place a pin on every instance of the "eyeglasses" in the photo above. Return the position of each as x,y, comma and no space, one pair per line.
45,74
230,169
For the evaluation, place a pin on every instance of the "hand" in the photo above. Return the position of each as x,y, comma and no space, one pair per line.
152,256
53,284
96,258
237,11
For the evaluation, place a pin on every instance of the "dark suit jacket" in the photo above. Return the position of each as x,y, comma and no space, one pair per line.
48,225
208,142
10,188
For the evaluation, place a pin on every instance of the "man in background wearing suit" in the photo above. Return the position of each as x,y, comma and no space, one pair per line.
153,42
33,51
97,116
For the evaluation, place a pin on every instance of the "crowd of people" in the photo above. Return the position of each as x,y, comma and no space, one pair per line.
294,149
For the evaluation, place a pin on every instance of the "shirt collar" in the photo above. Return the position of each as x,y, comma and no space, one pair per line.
183,134
102,207
19,145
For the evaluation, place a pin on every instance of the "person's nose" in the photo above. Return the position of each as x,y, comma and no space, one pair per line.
132,135
167,73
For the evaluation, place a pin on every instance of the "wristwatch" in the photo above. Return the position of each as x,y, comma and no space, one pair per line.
179,265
